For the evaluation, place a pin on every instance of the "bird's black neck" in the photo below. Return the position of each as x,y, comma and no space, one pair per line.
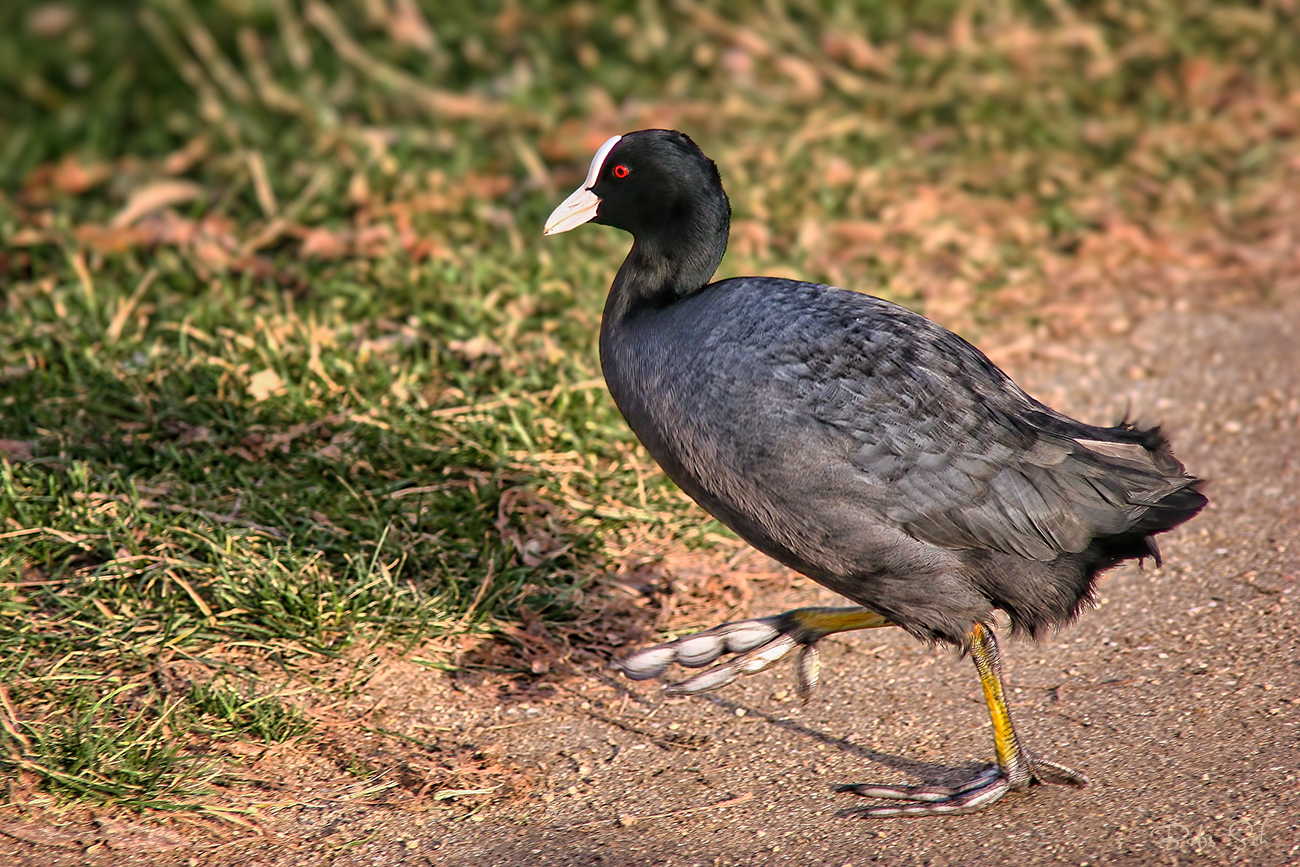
671,263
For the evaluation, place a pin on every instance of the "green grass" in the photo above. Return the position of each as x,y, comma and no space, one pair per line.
246,714
334,391
94,750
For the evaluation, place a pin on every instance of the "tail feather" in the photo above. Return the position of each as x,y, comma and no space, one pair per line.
1160,492
1138,541
1146,491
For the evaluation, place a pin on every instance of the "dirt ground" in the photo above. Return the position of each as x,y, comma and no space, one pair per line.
1179,696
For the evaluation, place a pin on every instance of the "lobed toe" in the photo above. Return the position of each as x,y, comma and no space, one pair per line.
647,664
748,634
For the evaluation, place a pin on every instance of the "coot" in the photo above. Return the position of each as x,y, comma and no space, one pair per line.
859,444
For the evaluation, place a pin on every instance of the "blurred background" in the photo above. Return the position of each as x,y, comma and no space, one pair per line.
288,373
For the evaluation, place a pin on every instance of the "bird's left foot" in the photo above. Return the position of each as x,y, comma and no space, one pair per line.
755,645
984,789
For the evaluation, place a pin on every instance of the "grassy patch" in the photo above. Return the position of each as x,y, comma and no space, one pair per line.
88,748
287,370
236,713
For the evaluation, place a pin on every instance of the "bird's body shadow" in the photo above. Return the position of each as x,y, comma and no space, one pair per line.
926,773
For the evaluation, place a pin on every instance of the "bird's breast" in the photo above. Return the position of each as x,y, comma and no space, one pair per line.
731,437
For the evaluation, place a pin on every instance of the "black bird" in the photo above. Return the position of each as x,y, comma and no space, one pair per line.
859,444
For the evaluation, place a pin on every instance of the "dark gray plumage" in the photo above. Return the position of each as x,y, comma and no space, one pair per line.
852,439
908,474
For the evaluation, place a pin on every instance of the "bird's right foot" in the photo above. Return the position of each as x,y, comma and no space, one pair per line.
756,644
983,790
1014,770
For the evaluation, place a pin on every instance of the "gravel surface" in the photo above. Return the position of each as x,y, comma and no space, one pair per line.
1179,695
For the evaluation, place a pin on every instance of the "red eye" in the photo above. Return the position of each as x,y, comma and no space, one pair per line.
620,171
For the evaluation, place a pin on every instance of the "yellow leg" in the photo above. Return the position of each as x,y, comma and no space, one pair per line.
828,621
1014,770
754,645
1006,744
